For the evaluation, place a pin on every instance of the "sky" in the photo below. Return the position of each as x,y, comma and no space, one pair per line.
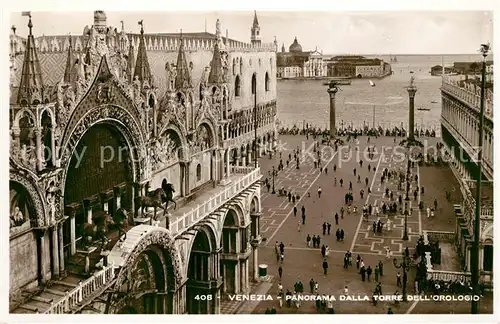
369,32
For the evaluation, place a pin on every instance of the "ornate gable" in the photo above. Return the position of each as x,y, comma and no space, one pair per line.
105,91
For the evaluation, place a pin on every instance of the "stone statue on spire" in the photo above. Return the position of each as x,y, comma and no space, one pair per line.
217,30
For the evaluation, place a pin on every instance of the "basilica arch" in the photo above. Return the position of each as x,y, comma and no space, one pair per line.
202,270
151,273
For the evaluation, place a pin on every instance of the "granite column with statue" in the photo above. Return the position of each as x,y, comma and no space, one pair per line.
412,90
332,90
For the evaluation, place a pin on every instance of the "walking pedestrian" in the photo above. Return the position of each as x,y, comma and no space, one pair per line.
298,229
358,260
308,240
319,192
381,267
303,219
342,212
326,170
324,228
336,218
323,250
311,285
368,273
398,279
342,234
362,271
376,272
341,182
314,240
318,241
354,171
280,271
329,227
289,196
325,267
350,185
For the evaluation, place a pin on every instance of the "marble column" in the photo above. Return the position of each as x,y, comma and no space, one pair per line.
255,255
332,90
61,248
39,148
228,166
53,151
55,251
43,252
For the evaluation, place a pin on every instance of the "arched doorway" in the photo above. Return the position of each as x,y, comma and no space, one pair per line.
99,164
147,287
229,265
200,273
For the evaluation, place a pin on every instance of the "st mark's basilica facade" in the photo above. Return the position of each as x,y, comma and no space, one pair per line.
105,123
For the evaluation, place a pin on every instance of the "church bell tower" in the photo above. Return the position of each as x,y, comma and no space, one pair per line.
255,30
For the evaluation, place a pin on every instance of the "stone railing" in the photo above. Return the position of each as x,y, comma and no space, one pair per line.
85,289
188,219
448,275
486,211
449,237
470,94
241,169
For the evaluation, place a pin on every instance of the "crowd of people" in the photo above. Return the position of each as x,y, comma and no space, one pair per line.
345,131
366,272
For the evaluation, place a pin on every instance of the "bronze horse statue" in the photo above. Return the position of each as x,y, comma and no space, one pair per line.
152,199
168,189
120,220
97,230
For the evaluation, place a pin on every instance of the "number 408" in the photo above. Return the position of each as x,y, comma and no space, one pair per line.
203,297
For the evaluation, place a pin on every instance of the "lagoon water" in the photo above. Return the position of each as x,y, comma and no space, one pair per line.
307,101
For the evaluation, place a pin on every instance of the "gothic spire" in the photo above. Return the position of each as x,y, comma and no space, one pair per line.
183,77
69,72
255,20
216,75
31,85
142,70
130,63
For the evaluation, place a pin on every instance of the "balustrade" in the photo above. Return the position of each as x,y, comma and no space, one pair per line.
448,275
85,289
469,95
187,219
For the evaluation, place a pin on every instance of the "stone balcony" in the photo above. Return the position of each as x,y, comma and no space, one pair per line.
240,179
210,200
469,94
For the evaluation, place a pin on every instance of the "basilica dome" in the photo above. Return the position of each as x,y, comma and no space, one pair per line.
295,47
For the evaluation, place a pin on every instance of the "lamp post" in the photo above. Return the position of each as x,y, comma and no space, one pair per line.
405,263
254,91
273,174
485,48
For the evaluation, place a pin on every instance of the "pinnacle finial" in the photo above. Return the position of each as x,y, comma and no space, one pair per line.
141,23
30,24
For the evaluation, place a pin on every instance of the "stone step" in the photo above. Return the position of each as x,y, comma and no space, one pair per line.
42,299
64,283
55,292
29,307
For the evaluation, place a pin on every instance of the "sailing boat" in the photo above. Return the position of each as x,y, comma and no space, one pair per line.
371,83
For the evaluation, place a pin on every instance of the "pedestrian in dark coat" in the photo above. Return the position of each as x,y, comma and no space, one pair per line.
280,271
337,234
324,228
289,196
314,241
323,250
336,218
358,260
294,210
325,267
318,241
381,268
368,272
362,271
329,227
303,219
342,234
